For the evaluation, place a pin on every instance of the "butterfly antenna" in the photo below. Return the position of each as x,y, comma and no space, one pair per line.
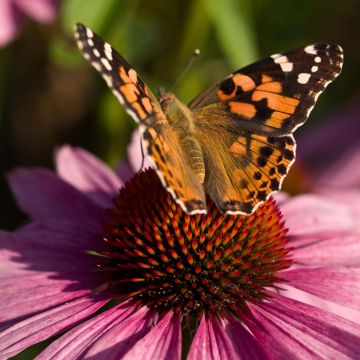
194,55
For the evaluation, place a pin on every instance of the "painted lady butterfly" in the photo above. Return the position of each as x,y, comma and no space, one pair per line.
233,141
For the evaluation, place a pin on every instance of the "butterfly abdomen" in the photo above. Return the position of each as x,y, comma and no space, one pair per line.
180,119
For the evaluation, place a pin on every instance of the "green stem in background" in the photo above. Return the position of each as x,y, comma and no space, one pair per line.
232,22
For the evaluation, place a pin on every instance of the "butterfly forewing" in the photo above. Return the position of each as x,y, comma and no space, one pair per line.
248,118
157,136
275,95
126,85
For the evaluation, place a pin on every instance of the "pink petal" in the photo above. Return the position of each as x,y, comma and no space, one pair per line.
313,214
134,153
45,274
322,250
88,174
307,298
338,284
124,170
211,342
41,10
42,195
163,341
10,22
349,198
289,329
39,327
246,346
108,336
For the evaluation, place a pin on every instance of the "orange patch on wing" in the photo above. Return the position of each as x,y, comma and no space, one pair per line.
246,83
133,75
274,87
276,120
277,102
130,92
265,78
222,96
238,147
246,110
124,76
139,110
147,105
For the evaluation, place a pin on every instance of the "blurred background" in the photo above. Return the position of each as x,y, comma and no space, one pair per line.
49,95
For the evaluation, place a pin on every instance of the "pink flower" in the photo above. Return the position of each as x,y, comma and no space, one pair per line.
215,278
12,12
331,151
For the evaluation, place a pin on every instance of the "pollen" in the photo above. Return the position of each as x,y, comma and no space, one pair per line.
165,259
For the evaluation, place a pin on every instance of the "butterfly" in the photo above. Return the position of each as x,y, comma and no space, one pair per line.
234,141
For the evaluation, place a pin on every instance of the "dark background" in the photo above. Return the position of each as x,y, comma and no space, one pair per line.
50,96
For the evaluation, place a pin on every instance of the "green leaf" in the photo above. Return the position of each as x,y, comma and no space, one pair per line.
95,14
232,23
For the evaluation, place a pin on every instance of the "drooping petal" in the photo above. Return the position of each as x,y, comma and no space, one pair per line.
45,324
289,329
42,195
88,174
211,342
245,345
338,284
40,10
124,170
163,341
135,155
108,336
10,19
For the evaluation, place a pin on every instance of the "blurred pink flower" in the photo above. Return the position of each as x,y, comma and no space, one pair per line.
331,151
74,256
13,11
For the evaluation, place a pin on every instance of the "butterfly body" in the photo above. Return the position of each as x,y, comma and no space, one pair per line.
234,141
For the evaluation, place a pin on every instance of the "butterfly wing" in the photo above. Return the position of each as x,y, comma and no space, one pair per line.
157,136
244,123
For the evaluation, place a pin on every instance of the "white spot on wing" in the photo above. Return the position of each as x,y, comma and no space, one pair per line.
310,50
281,59
287,67
96,65
108,80
303,78
80,44
314,68
106,63
90,42
89,33
108,51
317,59
96,52
275,56
119,97
133,115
